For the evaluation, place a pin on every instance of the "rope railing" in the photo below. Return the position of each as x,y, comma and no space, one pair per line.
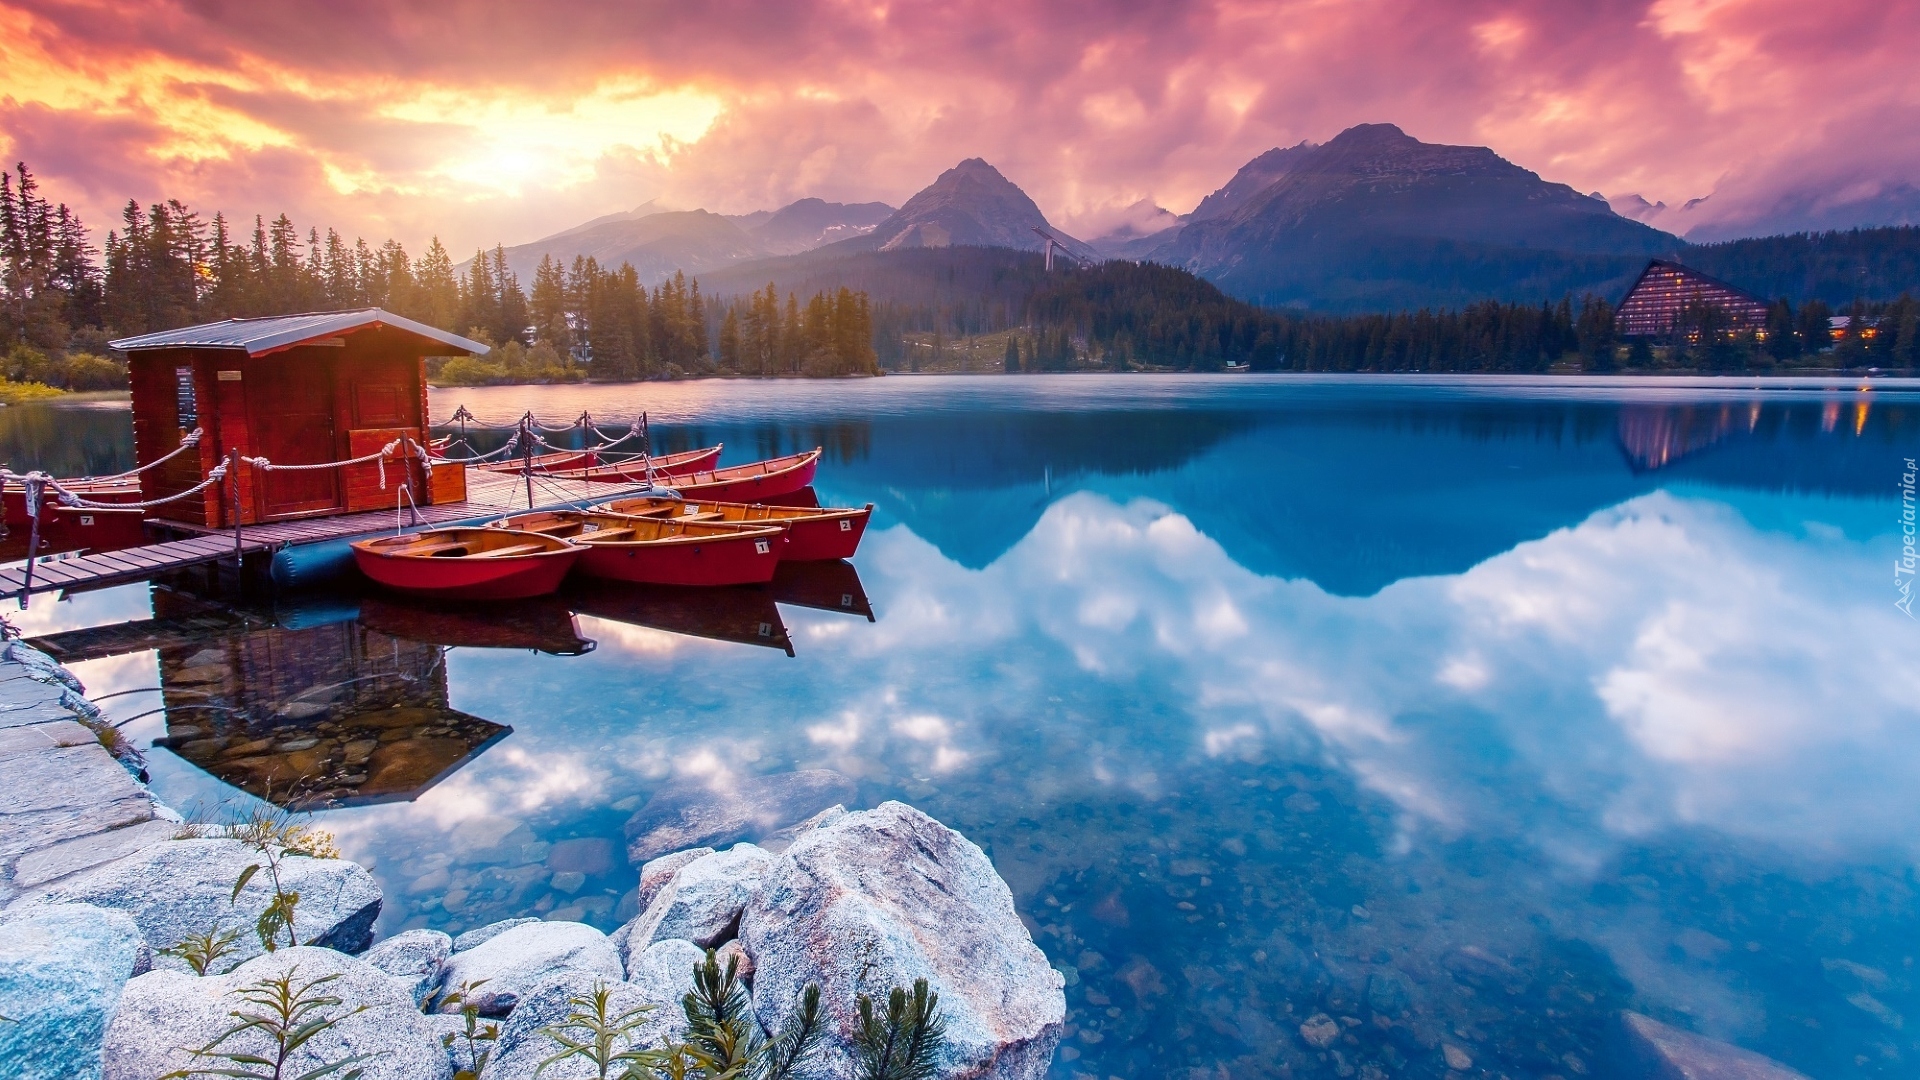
67,497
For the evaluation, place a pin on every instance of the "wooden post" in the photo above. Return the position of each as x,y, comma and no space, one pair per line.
233,485
526,454
35,492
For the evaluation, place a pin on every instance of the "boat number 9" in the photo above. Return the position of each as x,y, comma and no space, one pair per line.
761,546
845,525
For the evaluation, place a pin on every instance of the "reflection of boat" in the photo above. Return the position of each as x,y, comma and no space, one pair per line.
828,586
467,564
770,481
813,533
333,715
586,465
543,624
746,616
657,551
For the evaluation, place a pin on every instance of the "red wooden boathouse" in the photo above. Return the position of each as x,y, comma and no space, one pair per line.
288,390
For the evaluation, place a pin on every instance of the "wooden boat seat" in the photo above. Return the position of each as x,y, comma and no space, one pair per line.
598,535
516,549
430,549
711,515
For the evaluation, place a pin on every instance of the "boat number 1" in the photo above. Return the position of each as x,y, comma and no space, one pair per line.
761,546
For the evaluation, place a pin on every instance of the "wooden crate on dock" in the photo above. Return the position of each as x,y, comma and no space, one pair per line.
365,490
447,483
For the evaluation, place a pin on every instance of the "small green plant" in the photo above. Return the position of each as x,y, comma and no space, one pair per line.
288,1014
724,1039
590,1033
903,1042
202,951
475,1033
276,836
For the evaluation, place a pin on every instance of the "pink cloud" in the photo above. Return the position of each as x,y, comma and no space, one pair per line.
1091,105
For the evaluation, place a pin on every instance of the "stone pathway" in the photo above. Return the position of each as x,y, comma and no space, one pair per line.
66,804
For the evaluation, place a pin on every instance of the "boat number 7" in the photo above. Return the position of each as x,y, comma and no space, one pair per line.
845,525
761,547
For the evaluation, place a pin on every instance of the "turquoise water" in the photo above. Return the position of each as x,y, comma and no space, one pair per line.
1471,710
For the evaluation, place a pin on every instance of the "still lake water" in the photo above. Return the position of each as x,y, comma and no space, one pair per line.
1472,710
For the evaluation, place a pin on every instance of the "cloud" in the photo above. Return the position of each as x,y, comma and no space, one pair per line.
486,122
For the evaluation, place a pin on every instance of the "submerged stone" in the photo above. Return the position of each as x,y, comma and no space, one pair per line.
692,815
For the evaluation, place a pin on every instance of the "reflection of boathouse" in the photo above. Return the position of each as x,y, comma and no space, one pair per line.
333,715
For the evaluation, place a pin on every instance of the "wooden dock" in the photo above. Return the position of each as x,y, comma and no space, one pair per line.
489,495
107,568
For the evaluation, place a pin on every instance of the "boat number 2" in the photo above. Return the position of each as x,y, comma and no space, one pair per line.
761,546
845,525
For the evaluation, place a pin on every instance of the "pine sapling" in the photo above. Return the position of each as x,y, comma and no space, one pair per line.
903,1043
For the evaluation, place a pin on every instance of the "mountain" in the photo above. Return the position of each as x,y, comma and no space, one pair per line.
809,223
1375,219
1254,177
659,242
969,205
656,244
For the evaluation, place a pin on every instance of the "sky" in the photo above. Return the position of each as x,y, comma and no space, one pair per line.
488,122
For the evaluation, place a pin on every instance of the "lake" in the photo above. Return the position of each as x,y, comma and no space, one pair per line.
1465,711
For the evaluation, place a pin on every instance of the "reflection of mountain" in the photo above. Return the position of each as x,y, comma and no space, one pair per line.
746,616
331,715
1353,498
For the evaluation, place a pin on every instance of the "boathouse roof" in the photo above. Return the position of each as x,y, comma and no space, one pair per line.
274,333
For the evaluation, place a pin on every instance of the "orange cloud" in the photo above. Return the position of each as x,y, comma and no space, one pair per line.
484,122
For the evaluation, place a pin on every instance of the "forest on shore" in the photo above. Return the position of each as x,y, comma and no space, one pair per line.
826,314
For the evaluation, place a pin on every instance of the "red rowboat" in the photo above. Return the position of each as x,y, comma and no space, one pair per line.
632,470
125,490
467,563
812,534
660,552
761,482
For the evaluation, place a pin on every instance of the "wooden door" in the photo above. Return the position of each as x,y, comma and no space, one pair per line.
290,412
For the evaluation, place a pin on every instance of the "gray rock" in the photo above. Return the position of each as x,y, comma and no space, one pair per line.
61,972
657,872
880,898
524,1045
415,958
664,971
783,839
60,793
515,961
81,853
1661,1052
702,903
480,935
690,815
185,887
1389,992
163,1014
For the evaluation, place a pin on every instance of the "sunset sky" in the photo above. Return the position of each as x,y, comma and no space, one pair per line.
493,121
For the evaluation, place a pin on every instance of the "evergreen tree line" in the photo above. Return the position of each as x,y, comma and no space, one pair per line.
832,335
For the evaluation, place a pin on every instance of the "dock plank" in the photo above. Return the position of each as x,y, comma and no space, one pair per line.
117,567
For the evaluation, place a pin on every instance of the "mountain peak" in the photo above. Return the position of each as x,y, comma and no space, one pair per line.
970,204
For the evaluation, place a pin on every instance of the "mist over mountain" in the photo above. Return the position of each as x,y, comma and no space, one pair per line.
659,242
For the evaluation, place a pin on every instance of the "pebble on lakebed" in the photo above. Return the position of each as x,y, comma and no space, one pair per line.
858,902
